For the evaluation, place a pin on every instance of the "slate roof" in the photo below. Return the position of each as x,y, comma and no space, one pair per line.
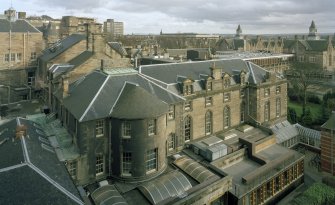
168,73
61,46
95,95
81,58
18,26
30,172
137,103
312,45
118,48
318,45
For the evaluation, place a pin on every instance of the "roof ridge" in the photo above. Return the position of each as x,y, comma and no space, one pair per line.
30,25
55,184
118,97
144,76
95,97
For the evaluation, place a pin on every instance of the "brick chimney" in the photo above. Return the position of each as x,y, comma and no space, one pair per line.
65,84
21,131
215,72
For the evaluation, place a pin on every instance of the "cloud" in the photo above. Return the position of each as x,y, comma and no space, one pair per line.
255,16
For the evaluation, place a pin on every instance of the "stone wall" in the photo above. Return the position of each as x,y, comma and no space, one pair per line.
23,44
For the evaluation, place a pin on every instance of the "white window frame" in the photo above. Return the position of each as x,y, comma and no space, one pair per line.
151,160
152,127
99,164
99,128
171,141
126,130
126,163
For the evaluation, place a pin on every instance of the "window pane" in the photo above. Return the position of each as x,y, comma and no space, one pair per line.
187,130
99,128
151,127
126,129
151,162
208,123
99,164
126,163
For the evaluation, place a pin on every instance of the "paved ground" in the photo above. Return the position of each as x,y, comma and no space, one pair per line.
312,175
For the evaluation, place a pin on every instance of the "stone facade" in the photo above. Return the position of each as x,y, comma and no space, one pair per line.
20,50
18,58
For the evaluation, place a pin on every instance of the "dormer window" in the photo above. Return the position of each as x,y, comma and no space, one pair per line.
188,87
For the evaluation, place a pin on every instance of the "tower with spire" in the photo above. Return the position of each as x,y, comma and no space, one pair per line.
238,32
313,35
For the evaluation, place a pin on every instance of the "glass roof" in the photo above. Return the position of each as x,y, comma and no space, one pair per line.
108,195
166,186
194,169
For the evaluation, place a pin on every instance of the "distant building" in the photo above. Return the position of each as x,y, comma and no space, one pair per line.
78,25
313,35
313,50
113,28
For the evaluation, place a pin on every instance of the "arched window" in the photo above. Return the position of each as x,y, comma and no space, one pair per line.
267,111
208,123
278,107
242,112
226,117
188,128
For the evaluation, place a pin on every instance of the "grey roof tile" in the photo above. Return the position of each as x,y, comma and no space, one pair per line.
61,46
37,176
97,88
137,103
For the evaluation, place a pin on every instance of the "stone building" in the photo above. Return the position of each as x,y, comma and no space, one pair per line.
244,43
212,99
262,171
313,50
113,28
21,44
137,127
78,25
76,56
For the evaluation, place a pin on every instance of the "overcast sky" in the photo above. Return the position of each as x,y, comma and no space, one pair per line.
200,16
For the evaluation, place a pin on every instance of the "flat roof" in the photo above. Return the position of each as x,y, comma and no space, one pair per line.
274,152
241,169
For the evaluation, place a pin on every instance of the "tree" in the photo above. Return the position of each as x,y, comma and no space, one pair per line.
300,78
307,119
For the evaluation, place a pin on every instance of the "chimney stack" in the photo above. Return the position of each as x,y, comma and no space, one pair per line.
65,86
215,72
